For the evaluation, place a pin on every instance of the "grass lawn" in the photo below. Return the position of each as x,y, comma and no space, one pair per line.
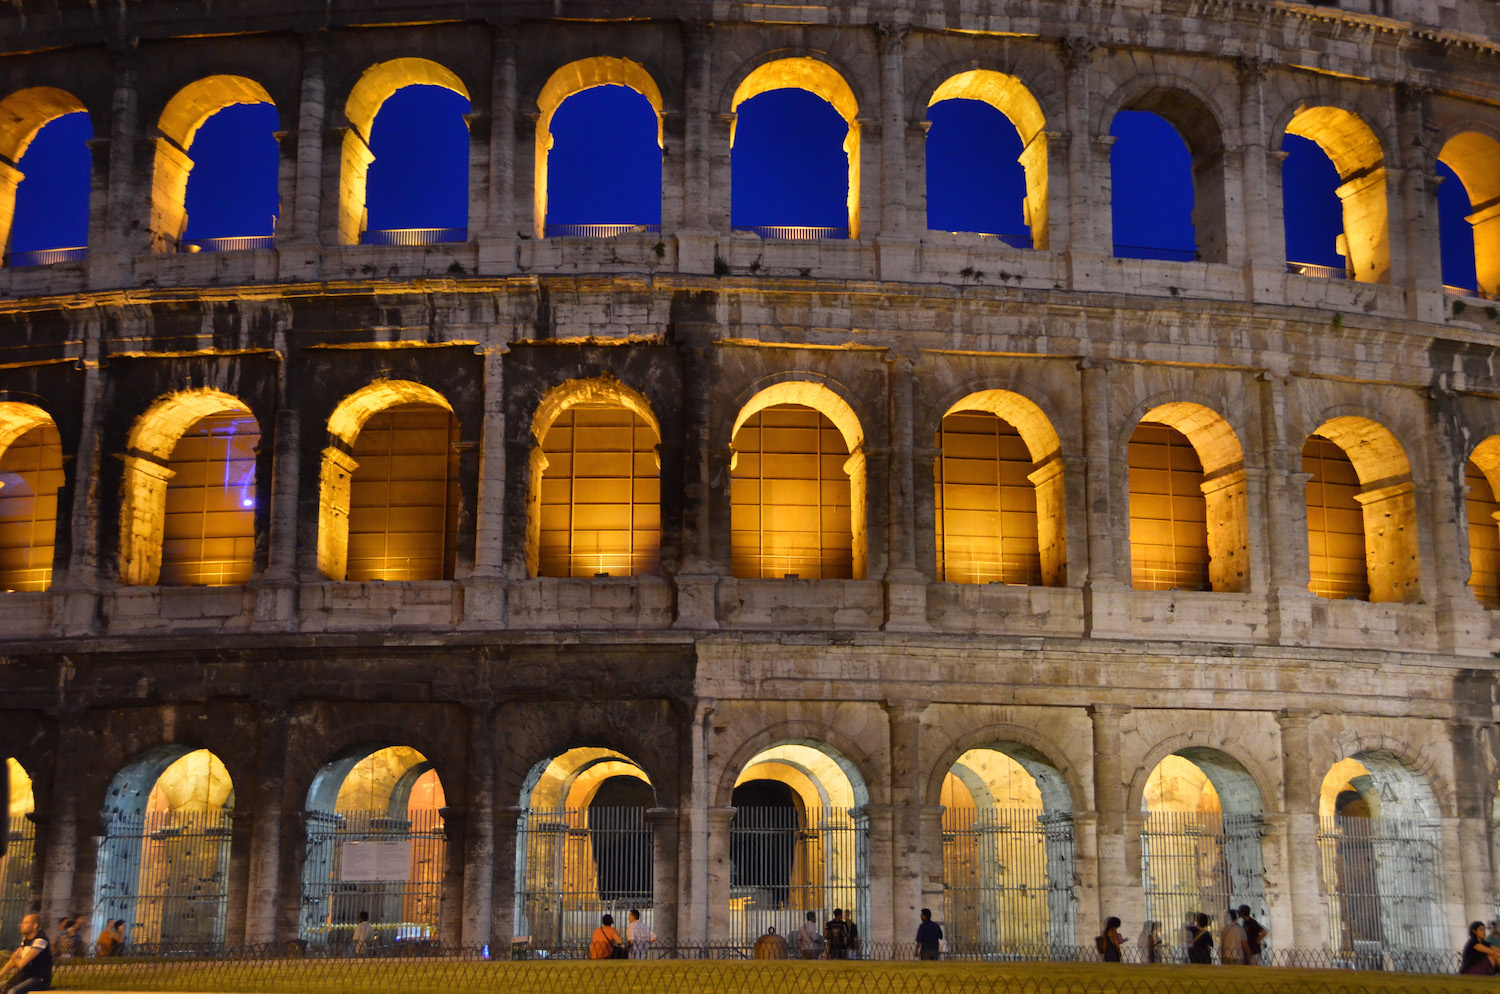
426,976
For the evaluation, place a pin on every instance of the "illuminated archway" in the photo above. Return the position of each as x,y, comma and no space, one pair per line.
1382,850
17,867
1361,513
164,857
796,469
798,841
373,89
22,115
1200,843
180,120
584,847
1007,854
224,436
30,475
573,78
359,539
1011,98
375,844
1355,152
1475,158
1481,476
824,81
1014,511
1189,524
594,505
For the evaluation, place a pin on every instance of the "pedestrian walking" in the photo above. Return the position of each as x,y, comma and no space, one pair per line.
1255,935
836,935
1109,942
1201,940
929,937
1234,950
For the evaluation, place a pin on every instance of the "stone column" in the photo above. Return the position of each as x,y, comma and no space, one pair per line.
702,203
1463,625
497,242
484,587
275,593
453,913
1416,249
479,836
64,829
75,607
298,235
1088,892
240,825
696,579
718,874
1304,890
908,861
894,219
931,870
1109,804
664,848
905,585
1283,530
695,904
126,231
267,821
503,911
1474,772
1264,253
1086,190
1105,587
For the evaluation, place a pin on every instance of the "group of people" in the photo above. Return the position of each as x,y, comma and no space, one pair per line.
1240,943
608,943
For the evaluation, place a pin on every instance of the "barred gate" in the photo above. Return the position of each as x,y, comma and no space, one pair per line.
370,861
784,864
1384,879
573,866
1007,882
15,875
1194,862
167,875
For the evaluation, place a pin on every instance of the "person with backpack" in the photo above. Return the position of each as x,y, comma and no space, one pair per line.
837,936
1201,948
1109,941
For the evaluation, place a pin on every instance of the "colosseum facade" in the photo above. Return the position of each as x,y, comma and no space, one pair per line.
496,579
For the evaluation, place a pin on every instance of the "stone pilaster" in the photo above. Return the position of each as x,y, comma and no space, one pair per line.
908,853
1303,889
664,848
267,822
905,586
477,925
1109,804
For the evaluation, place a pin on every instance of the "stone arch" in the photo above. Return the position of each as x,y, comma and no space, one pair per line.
1240,781
148,454
596,391
574,78
822,80
1475,157
30,478
842,749
817,395
180,120
23,114
338,463
1195,115
364,796
1387,497
1045,447
1222,457
374,87
1012,98
166,832
1480,514
1059,784
1355,151
1397,765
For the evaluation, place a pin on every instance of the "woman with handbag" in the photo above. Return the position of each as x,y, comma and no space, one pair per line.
606,942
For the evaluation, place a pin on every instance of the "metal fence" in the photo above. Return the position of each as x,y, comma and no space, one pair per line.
600,230
15,875
1316,271
1199,862
1155,253
46,257
167,875
785,863
575,866
414,236
1384,878
368,861
236,243
1007,881
795,233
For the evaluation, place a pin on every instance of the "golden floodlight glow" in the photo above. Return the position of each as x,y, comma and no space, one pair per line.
1168,522
403,495
30,476
22,115
985,503
208,536
1356,153
1475,158
1335,523
1481,472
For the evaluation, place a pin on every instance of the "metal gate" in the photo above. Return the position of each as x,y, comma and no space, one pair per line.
1200,862
785,863
368,861
167,875
573,866
15,875
1384,880
1007,882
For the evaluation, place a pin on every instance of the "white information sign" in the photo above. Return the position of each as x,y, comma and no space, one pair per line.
369,861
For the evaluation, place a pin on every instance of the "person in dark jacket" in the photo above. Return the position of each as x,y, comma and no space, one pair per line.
1201,947
32,960
929,937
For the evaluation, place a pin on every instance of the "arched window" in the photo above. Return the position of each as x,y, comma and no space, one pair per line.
592,111
189,473
45,177
242,167
30,475
598,485
999,493
1469,210
1363,238
797,486
1483,512
1151,189
1168,516
390,500
795,159
419,194
163,863
1361,513
987,159
20,850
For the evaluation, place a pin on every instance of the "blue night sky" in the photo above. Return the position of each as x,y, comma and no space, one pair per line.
788,168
